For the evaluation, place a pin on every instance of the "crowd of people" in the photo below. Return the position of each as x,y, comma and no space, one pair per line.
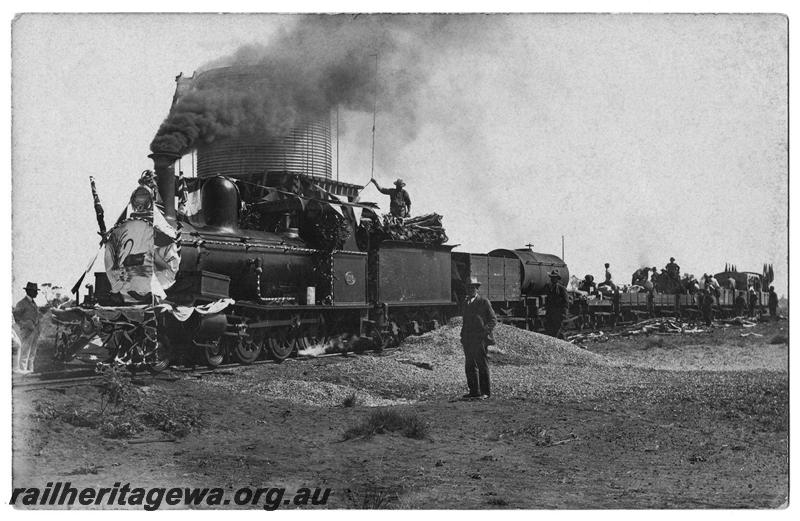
707,289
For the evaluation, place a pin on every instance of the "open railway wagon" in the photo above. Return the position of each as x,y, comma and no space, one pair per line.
633,306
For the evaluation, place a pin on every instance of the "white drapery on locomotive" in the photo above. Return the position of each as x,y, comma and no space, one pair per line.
142,254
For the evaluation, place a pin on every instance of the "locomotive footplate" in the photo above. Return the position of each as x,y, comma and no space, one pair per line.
299,307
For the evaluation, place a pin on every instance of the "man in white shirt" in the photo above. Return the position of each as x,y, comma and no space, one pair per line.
26,315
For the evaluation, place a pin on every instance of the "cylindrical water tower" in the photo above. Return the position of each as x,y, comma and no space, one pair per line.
304,148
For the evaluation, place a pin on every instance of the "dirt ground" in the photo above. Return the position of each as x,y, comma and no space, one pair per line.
683,421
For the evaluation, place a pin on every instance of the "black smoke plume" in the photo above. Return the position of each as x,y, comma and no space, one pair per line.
320,62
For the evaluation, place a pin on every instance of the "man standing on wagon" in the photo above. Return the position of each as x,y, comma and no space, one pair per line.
476,336
399,200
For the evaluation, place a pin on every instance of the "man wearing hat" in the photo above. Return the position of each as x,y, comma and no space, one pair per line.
555,306
773,303
399,201
26,315
476,336
673,269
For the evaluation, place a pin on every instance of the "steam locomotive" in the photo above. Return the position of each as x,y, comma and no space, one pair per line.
279,285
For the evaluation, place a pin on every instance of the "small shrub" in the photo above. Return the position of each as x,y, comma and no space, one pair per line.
170,418
350,400
89,468
117,391
80,418
45,411
779,339
77,417
389,420
371,497
116,428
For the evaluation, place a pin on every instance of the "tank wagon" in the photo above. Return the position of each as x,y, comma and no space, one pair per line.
512,279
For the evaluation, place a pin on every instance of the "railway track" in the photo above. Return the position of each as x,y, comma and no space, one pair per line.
86,376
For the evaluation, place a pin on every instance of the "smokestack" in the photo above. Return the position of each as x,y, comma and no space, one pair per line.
164,166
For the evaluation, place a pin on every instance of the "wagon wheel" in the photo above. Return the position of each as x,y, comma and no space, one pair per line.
281,344
246,351
157,358
214,353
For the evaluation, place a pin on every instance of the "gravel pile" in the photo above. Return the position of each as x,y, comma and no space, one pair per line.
515,346
429,366
316,393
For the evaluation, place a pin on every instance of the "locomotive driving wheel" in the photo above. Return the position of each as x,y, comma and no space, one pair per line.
246,351
281,343
156,360
214,353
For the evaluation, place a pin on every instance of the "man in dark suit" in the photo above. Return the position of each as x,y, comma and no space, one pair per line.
555,306
476,336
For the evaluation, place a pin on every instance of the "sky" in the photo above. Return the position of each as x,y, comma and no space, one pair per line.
636,137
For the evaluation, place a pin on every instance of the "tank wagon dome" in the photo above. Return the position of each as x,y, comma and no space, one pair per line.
535,268
302,146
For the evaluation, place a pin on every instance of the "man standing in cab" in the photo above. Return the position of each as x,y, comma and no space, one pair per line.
556,305
26,315
476,337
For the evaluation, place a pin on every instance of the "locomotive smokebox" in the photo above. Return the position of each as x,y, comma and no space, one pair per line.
164,167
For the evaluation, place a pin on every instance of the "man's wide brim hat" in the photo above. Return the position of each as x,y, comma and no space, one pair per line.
555,274
473,281
32,286
399,182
